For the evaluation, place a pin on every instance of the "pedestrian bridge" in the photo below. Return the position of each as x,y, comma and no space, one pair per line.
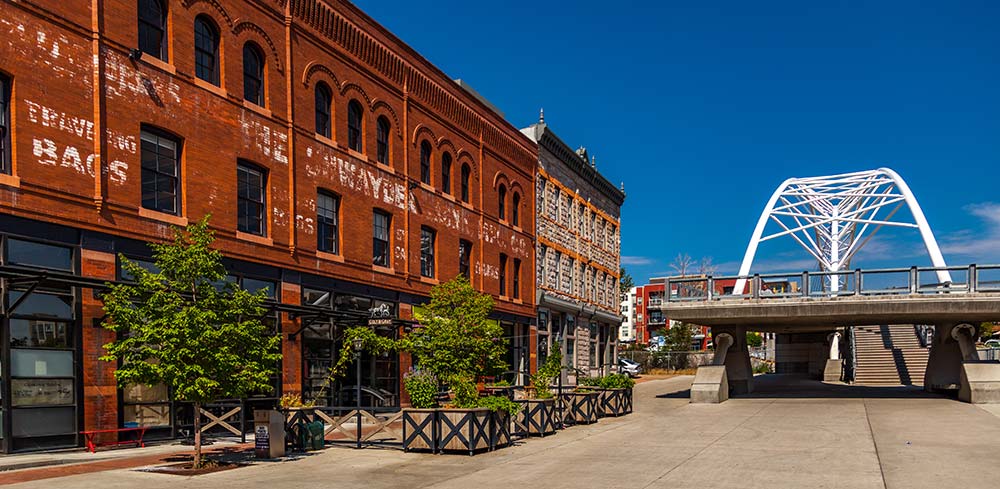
809,302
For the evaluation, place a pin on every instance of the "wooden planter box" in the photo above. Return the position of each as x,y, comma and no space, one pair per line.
420,429
611,402
538,417
465,429
627,401
501,430
581,408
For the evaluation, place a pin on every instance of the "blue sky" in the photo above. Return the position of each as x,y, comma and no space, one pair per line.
702,108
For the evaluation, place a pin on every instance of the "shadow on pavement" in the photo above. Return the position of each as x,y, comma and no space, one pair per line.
785,386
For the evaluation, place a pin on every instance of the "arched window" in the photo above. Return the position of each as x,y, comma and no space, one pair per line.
354,126
206,50
382,140
446,173
324,97
515,213
153,28
253,74
502,202
466,171
425,162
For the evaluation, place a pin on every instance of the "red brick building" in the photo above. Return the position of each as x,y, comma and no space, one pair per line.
342,171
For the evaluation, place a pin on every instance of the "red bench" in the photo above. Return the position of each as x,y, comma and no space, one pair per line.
91,434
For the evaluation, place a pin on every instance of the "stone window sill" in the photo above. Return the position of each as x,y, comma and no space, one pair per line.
10,180
173,219
253,238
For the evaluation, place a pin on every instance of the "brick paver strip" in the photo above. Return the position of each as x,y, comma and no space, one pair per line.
28,475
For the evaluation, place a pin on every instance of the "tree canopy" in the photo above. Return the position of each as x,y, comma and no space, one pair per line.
184,325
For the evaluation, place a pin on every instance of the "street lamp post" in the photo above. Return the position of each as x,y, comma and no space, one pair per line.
358,344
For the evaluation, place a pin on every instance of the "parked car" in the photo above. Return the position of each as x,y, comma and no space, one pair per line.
630,367
992,344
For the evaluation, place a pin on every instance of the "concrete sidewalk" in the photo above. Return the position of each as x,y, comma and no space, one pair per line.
790,434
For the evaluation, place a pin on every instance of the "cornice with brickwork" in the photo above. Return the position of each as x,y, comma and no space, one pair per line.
422,79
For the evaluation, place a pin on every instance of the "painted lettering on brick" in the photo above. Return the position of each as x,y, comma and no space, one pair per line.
270,142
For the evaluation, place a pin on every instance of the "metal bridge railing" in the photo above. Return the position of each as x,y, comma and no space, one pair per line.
877,282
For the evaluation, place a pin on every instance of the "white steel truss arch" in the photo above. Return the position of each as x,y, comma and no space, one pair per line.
832,217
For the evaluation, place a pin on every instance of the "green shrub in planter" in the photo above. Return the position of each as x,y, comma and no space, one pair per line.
617,381
422,388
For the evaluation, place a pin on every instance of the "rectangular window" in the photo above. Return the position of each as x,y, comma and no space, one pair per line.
380,238
251,198
427,252
5,163
29,253
327,222
160,171
517,278
503,274
464,258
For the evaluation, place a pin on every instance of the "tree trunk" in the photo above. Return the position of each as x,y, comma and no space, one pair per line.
197,435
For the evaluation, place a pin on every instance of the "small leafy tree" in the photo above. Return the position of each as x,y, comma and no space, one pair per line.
679,337
625,283
754,340
188,328
547,372
456,340
985,331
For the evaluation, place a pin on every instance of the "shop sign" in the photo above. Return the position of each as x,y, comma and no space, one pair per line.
41,392
380,315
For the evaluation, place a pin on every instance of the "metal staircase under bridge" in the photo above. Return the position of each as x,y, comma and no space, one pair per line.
889,355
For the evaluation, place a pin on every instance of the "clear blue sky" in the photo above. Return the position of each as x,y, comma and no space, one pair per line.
702,108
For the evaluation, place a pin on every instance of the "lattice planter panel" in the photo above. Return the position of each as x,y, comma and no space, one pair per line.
538,417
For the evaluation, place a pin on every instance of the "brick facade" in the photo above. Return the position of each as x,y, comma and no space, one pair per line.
578,225
79,101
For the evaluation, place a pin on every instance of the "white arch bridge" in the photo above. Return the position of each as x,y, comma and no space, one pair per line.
832,218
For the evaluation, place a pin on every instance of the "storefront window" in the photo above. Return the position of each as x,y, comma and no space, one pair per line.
322,344
41,362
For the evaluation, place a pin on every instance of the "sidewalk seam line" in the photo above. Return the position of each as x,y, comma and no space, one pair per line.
871,430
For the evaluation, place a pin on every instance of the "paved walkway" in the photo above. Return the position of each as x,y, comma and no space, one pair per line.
806,435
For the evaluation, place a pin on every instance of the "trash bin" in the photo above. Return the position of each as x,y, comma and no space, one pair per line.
269,434
316,431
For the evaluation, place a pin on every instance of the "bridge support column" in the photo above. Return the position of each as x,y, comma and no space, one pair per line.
834,365
954,364
737,360
944,365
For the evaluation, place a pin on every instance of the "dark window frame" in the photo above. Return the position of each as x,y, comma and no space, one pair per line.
206,49
381,247
503,274
425,162
327,227
515,212
502,202
323,98
516,279
151,24
428,245
446,172
6,164
465,177
247,202
156,173
465,258
355,126
254,83
382,128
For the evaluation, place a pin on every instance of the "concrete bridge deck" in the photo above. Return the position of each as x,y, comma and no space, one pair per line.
825,313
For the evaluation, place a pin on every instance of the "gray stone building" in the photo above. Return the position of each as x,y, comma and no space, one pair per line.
578,253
